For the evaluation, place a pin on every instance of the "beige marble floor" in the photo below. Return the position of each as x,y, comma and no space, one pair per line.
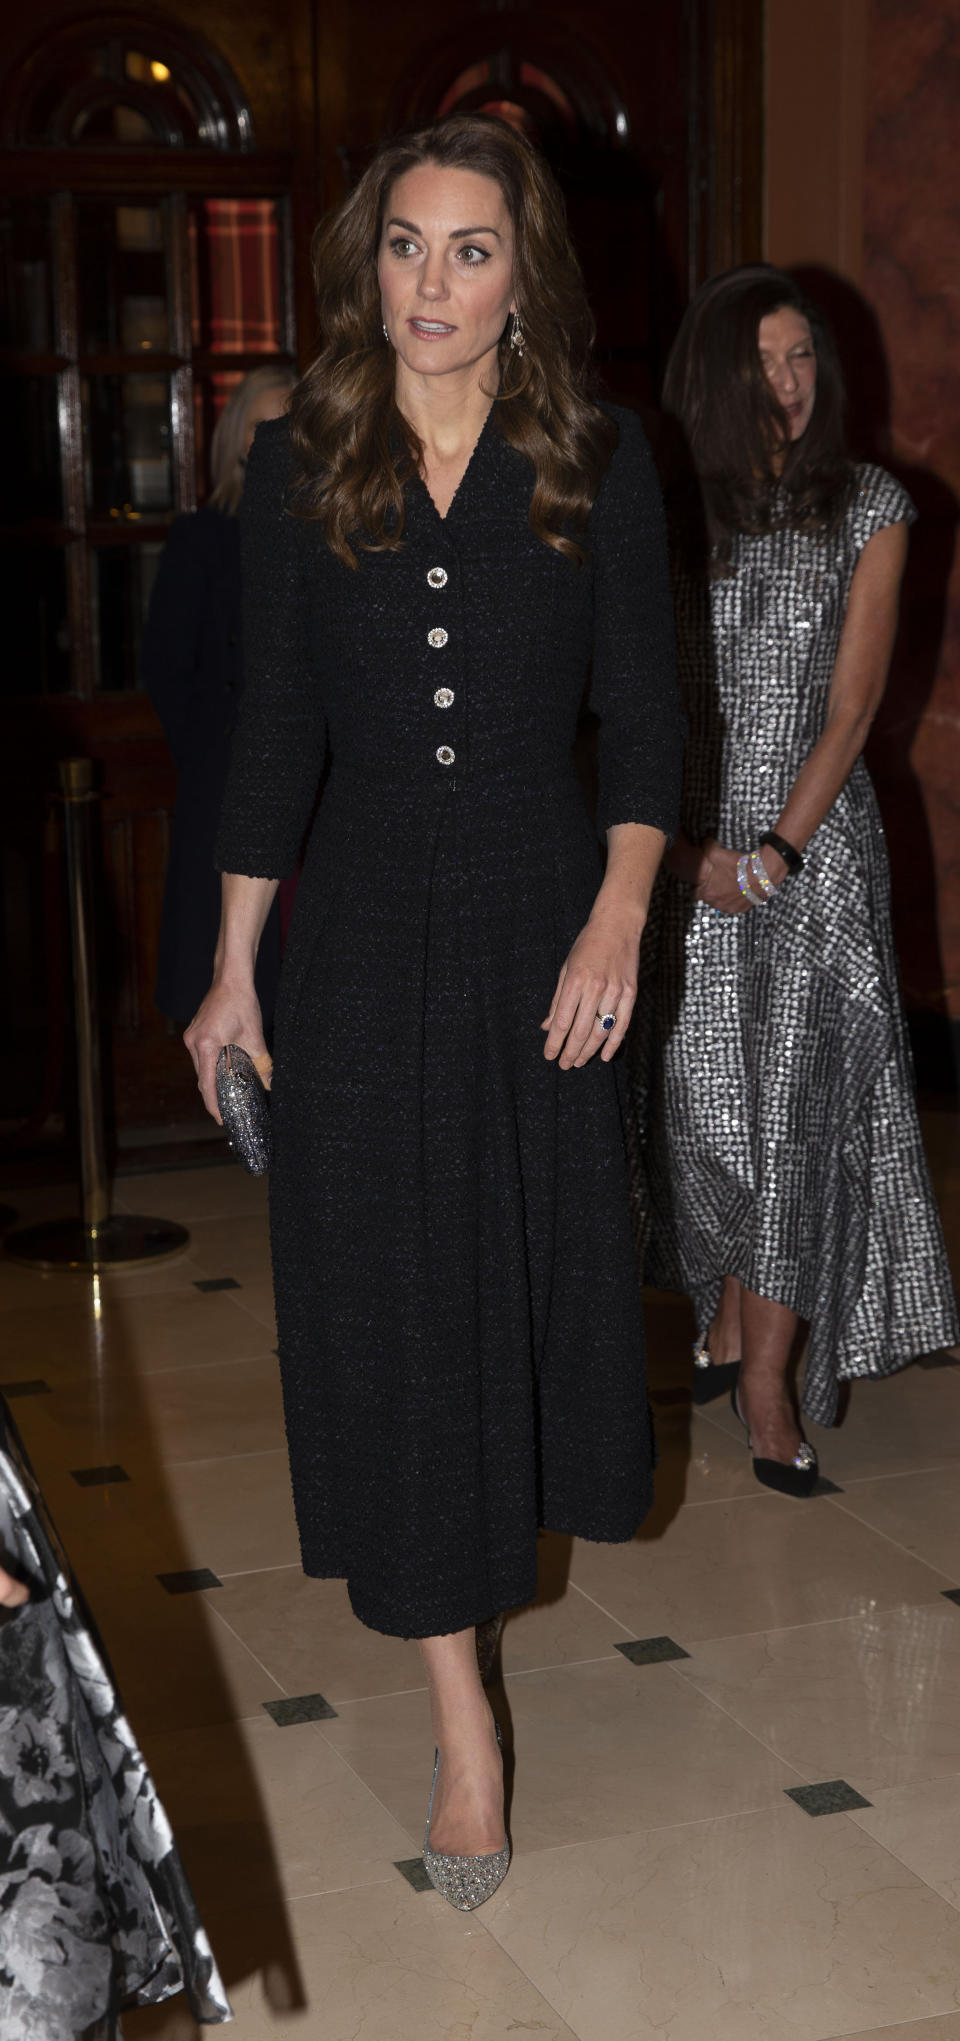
664,1886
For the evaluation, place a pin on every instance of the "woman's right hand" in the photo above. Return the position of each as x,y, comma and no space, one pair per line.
228,1014
718,886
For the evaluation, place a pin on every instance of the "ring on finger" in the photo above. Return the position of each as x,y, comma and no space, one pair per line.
607,1021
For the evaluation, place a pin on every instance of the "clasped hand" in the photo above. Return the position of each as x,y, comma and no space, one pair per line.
717,881
710,870
599,977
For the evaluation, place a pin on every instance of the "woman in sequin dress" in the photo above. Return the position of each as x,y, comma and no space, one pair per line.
782,1176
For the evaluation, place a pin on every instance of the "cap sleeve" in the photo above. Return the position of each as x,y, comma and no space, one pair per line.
880,500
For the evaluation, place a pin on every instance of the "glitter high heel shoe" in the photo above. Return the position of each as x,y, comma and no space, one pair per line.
465,1881
796,1477
711,1379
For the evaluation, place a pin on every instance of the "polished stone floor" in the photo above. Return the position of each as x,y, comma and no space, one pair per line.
736,1797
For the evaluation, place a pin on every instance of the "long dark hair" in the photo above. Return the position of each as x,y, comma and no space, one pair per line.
752,477
354,449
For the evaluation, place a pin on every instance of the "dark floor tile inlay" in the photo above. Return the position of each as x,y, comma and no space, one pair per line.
952,1594
217,1283
37,1388
189,1582
98,1477
832,1796
652,1650
299,1708
414,1871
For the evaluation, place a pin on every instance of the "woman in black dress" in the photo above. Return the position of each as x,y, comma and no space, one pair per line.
438,546
192,669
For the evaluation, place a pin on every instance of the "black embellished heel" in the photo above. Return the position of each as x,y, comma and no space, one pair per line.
797,1477
709,1380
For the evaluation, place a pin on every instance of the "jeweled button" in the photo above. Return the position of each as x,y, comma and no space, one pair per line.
443,697
438,577
437,637
445,756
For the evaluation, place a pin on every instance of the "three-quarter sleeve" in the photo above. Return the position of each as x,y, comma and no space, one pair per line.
634,687
280,740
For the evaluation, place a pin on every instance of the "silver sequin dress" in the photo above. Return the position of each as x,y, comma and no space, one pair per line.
777,1137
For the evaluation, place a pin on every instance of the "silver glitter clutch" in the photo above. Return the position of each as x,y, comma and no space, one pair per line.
244,1104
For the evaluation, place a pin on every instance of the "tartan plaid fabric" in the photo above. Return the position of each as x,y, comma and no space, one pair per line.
236,279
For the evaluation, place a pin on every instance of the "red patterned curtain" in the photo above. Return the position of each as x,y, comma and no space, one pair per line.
236,298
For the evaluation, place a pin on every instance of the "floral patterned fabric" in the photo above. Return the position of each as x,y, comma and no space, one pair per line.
95,1910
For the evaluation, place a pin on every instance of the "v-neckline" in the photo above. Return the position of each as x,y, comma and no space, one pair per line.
442,516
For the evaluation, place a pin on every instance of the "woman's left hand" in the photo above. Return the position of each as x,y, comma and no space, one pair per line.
599,976
718,885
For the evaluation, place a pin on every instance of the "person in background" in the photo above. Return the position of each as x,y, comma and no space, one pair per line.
192,669
96,1915
780,1150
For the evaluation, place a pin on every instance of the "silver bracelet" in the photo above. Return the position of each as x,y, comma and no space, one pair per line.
758,871
743,881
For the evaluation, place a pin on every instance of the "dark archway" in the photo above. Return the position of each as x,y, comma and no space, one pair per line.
126,79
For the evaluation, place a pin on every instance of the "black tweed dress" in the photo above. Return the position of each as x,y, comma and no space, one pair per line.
457,1294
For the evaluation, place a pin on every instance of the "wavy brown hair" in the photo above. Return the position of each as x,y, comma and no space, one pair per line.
353,448
752,477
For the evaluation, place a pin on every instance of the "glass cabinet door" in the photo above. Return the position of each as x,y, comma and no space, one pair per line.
111,407
128,467
30,485
33,590
123,277
26,275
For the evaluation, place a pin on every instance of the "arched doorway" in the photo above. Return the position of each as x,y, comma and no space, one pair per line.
650,117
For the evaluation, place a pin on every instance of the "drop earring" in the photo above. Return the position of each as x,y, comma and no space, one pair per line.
385,333
516,333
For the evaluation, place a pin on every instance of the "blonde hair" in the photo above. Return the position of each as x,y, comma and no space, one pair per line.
227,455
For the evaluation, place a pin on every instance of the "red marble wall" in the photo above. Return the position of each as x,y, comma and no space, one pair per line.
908,400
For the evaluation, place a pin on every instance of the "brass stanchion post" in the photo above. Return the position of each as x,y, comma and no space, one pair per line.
99,1239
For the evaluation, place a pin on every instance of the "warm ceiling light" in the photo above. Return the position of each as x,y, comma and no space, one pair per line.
160,72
